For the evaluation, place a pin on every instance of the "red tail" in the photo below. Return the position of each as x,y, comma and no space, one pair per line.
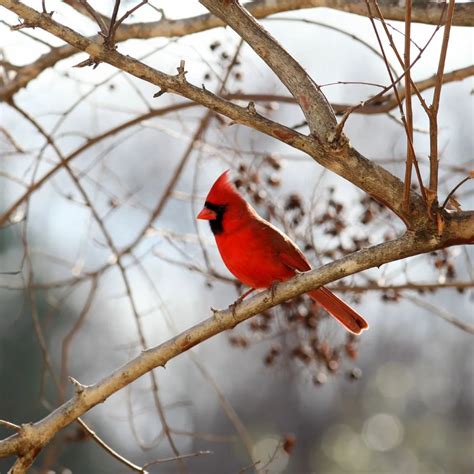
340,310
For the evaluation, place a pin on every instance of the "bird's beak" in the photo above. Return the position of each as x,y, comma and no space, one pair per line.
207,214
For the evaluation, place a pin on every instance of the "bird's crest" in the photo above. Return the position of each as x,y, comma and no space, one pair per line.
223,191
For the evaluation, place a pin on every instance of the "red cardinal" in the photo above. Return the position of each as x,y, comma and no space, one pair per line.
258,254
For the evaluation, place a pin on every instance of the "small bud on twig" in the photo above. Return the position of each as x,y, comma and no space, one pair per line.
78,387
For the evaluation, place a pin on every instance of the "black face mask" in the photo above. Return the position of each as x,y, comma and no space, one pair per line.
216,224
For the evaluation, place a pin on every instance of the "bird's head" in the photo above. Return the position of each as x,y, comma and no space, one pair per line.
224,205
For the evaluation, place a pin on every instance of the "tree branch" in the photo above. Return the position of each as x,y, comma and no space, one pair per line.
433,112
319,114
33,437
344,161
168,28
422,12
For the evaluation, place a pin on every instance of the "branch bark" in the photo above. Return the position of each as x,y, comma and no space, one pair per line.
341,159
31,438
423,12
319,114
387,104
424,236
167,28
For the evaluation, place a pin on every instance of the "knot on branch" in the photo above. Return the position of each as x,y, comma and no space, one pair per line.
219,315
160,93
28,439
108,41
251,108
336,139
47,14
181,72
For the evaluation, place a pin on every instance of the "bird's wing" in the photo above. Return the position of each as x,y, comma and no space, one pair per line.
290,255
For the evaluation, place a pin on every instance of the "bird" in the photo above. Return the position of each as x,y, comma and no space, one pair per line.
258,254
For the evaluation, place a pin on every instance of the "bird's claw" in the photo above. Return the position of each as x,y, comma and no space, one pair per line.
239,300
273,289
233,306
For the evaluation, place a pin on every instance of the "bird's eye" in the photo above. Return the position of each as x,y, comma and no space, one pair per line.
217,208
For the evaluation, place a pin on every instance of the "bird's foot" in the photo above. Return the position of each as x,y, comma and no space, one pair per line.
242,297
239,300
233,306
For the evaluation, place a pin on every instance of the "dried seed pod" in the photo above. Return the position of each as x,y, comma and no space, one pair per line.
367,216
320,378
268,359
273,161
251,188
293,202
355,373
289,443
238,341
302,352
274,180
255,178
275,349
214,45
260,196
351,350
450,271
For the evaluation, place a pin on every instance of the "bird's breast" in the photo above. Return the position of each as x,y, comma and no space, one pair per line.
251,258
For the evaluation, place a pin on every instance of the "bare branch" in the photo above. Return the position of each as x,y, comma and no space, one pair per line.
409,134
422,287
423,12
441,313
467,178
303,88
433,114
110,450
32,438
9,425
84,4
408,106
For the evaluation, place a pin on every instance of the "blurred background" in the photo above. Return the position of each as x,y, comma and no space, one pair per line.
91,274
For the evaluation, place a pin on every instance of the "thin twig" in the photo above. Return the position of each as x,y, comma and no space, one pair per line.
175,458
98,18
124,17
467,178
110,450
125,278
408,107
442,313
109,40
400,106
433,115
10,425
67,340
